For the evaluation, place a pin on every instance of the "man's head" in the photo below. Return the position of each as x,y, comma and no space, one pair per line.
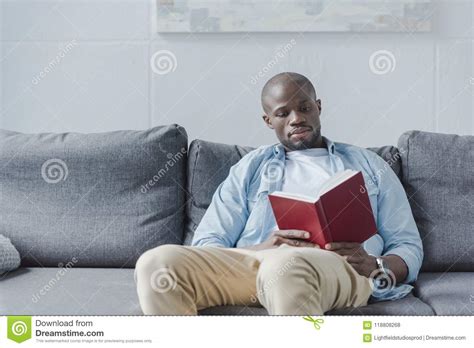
292,109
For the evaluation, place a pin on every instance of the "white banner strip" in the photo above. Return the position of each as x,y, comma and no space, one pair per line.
236,331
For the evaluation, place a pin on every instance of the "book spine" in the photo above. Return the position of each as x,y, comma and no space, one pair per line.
323,221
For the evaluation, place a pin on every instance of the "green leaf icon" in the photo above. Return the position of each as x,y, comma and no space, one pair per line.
19,328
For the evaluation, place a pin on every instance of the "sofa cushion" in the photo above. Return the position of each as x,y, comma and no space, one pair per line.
9,256
409,305
209,164
438,175
447,293
102,199
233,310
69,291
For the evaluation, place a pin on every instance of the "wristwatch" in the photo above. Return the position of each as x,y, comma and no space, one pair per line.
381,265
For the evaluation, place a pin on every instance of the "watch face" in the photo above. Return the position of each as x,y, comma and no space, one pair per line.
380,264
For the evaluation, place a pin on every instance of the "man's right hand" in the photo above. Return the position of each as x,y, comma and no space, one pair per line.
295,238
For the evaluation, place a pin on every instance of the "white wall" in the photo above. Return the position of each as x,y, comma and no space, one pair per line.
102,79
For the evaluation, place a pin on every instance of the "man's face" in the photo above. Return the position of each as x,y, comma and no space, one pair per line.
293,113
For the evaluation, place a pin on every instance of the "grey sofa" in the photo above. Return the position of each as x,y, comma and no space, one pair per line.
81,223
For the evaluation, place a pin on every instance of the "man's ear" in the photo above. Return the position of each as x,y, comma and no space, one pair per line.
267,121
318,103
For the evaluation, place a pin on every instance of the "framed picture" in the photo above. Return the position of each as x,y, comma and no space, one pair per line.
181,16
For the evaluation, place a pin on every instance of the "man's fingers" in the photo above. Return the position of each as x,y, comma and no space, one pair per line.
300,243
341,245
298,234
353,259
295,242
347,252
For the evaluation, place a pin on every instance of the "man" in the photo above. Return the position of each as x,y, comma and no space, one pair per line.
239,257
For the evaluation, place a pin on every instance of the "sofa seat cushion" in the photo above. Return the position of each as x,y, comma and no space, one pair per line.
102,198
409,305
447,293
69,291
438,175
233,310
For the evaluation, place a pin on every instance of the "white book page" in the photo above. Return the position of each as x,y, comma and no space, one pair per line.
332,182
336,180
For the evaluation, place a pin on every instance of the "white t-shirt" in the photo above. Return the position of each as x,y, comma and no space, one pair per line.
306,171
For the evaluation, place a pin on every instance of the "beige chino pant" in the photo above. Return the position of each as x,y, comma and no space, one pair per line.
180,280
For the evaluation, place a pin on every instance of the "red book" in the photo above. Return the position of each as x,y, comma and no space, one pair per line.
340,213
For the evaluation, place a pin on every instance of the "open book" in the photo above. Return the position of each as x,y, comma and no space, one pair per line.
339,212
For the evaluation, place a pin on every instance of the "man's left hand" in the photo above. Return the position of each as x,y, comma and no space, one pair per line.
356,255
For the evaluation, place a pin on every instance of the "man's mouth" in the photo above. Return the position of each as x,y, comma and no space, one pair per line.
300,132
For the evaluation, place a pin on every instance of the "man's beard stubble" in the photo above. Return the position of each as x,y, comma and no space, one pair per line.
305,143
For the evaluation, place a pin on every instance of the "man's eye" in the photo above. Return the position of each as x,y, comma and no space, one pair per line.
282,114
306,108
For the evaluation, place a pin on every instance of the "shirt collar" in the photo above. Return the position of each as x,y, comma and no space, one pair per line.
330,145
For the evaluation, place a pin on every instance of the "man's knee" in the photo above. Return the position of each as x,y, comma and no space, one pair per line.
165,259
292,263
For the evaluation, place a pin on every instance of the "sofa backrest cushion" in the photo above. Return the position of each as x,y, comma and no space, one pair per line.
438,175
97,200
209,164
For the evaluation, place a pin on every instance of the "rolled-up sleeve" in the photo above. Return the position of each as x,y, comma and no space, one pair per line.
227,214
395,222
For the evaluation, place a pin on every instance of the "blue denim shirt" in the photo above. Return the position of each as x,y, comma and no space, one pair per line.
240,214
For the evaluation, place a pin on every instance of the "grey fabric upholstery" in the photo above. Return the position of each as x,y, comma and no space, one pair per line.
447,293
75,291
9,256
83,196
438,175
409,305
233,310
209,164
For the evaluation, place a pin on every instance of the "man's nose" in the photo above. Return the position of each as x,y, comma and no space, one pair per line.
296,118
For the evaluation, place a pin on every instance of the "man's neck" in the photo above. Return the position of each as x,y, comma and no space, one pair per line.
320,143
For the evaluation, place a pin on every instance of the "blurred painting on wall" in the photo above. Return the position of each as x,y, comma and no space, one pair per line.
181,16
